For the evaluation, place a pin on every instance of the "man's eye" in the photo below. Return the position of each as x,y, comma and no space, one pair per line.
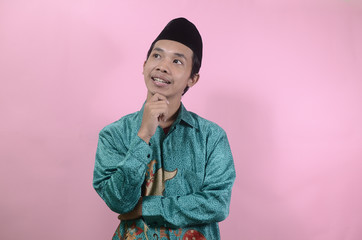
156,55
177,61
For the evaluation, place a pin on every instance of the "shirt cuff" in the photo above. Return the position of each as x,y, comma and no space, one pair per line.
141,150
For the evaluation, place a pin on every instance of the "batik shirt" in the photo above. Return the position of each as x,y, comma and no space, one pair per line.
184,176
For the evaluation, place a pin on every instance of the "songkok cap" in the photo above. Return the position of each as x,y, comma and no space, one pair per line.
183,31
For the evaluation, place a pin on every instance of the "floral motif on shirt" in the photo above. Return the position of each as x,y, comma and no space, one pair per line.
155,180
193,235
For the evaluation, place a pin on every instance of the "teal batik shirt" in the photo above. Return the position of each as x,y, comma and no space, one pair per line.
185,177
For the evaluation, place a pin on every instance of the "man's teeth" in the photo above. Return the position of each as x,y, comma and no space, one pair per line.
160,80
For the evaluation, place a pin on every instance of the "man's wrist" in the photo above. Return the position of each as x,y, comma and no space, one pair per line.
139,208
144,137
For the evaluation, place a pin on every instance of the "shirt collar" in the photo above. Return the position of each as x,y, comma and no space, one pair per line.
185,116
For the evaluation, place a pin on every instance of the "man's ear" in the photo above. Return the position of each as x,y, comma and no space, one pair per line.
193,80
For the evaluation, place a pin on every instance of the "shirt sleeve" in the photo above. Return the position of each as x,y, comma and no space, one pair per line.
210,204
120,169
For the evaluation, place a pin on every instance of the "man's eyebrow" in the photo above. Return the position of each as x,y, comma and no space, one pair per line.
158,49
181,55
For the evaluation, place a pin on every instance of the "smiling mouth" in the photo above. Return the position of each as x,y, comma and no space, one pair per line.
156,79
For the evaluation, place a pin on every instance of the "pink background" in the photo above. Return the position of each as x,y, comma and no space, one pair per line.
283,78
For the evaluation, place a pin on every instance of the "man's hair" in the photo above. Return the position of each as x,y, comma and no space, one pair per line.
196,64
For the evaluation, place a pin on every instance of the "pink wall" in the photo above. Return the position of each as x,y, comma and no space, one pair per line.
284,79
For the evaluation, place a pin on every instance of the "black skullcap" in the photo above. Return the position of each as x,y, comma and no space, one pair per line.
183,31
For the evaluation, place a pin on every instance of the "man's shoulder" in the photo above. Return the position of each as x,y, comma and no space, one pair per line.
127,121
206,125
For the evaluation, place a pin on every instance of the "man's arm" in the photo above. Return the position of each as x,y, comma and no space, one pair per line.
119,171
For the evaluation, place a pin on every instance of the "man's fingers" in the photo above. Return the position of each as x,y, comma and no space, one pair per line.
158,109
158,97
162,117
155,110
160,112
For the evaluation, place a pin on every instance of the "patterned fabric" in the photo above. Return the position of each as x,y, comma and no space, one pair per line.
185,177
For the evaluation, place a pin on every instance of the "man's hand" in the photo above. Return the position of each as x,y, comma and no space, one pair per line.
134,214
156,110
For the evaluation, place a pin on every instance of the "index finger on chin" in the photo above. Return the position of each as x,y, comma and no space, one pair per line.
159,97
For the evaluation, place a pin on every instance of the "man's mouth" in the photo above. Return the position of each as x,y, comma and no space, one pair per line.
156,79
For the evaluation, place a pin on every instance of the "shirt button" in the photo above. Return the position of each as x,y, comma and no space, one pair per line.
148,155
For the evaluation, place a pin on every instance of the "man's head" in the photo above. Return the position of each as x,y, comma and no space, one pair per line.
183,31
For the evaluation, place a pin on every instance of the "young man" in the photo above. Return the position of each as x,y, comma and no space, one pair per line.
165,170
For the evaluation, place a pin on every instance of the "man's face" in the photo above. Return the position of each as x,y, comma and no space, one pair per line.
167,70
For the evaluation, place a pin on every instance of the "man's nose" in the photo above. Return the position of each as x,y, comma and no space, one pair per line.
163,67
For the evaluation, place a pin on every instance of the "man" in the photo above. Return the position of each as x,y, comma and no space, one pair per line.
165,170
